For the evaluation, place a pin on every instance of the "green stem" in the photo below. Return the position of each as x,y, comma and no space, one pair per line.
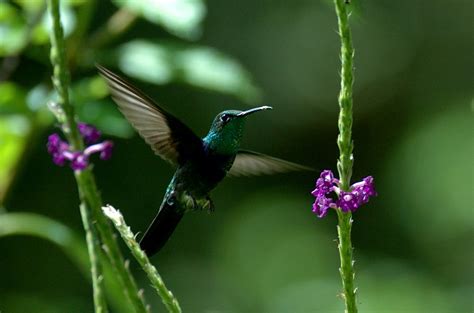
346,160
167,297
87,188
61,77
93,247
347,264
344,140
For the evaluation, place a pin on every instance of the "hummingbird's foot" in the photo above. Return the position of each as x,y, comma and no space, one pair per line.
209,205
204,204
189,202
192,204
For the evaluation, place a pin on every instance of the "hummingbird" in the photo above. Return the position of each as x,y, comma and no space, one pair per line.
201,163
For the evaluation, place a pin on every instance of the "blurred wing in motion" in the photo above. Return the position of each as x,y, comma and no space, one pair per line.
249,163
168,137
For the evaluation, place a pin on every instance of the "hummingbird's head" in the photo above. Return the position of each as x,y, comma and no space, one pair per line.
227,128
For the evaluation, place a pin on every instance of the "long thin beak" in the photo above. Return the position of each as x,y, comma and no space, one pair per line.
262,108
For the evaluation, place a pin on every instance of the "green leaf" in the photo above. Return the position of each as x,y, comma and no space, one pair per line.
147,61
14,131
12,30
87,95
180,17
208,68
36,100
30,224
198,66
12,99
43,227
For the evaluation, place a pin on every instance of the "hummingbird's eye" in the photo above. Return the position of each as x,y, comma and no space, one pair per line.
225,118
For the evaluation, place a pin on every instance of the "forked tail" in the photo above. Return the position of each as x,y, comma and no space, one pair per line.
161,228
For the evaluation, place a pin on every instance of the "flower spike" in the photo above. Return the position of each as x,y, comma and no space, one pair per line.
79,160
327,189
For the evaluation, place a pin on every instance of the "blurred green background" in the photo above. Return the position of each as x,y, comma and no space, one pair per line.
262,250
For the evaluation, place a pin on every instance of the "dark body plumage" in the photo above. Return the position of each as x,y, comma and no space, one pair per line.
201,163
196,179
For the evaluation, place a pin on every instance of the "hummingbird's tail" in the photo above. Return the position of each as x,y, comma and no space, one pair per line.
161,228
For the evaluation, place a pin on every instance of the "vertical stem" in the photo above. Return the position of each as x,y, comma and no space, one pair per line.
157,282
344,140
93,247
91,201
61,77
346,160
88,187
347,264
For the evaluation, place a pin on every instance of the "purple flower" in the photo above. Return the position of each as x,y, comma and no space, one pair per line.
359,195
89,133
80,161
61,151
327,189
347,201
57,147
104,148
107,150
322,204
325,183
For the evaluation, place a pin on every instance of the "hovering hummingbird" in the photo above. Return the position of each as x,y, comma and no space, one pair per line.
201,163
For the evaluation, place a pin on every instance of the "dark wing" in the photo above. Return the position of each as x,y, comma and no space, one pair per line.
167,136
248,163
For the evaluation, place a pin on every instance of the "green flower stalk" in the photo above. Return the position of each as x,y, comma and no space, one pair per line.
93,248
337,193
167,297
346,159
90,199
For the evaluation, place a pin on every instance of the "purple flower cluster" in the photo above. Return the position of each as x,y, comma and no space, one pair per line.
327,188
79,160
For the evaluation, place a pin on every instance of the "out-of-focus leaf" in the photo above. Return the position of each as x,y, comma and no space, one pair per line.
40,34
14,24
14,224
301,296
35,5
19,113
38,97
389,287
180,17
30,5
208,68
88,89
14,131
198,66
438,150
106,117
12,29
431,173
30,224
87,96
40,302
12,99
15,100
147,61
266,261
37,100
